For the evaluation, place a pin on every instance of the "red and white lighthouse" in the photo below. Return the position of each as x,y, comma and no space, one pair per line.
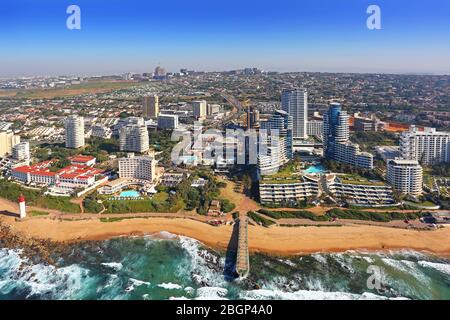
22,210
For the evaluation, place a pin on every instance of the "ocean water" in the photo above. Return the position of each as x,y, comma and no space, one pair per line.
171,267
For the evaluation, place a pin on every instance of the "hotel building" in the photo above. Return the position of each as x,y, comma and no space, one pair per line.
428,146
405,176
275,145
137,167
295,103
336,139
134,136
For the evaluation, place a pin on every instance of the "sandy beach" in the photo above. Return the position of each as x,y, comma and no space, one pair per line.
274,240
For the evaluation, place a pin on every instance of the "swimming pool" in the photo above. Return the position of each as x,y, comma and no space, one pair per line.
129,194
315,169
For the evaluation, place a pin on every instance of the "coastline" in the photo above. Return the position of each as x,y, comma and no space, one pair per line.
294,240
281,241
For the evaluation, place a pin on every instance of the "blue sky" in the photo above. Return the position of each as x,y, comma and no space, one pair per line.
282,35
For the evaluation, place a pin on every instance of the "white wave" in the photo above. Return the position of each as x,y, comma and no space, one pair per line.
41,280
307,295
113,265
344,261
189,290
139,282
441,267
211,293
319,257
288,262
203,266
167,235
178,298
170,286
134,283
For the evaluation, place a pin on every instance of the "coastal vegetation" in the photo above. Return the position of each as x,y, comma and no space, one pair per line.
36,197
293,215
259,219
371,215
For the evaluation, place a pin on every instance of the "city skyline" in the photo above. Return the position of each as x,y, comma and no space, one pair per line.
310,36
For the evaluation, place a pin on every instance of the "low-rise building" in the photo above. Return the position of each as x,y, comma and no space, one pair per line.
69,178
283,190
82,160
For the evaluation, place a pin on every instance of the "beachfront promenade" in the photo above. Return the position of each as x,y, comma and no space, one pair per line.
242,258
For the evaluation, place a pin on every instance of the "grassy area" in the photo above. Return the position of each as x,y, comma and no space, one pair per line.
301,214
12,191
35,213
289,173
107,220
160,198
73,90
371,216
368,140
259,219
357,179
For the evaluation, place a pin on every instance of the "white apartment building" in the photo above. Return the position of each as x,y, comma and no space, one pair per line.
199,109
295,103
167,121
348,152
286,190
7,140
360,193
315,128
21,151
428,146
74,132
137,167
150,106
405,176
134,136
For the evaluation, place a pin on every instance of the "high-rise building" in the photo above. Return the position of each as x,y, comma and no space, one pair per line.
199,109
167,121
405,176
74,132
336,139
137,167
335,128
252,118
21,151
150,106
134,136
428,146
315,128
277,142
295,103
7,140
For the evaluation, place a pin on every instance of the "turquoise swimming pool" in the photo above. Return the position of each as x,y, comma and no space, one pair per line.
129,194
315,169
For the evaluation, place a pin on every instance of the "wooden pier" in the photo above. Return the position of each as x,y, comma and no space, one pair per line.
242,258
